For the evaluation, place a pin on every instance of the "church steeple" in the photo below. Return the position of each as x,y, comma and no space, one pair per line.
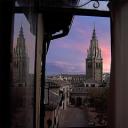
94,33
94,60
94,50
20,59
20,47
21,31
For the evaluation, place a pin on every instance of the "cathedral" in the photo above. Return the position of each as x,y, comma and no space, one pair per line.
94,61
22,91
20,61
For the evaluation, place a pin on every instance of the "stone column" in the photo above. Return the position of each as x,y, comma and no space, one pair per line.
39,47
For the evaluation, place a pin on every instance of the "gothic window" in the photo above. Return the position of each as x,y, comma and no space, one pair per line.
98,65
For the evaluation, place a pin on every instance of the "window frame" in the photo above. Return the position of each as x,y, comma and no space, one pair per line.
74,11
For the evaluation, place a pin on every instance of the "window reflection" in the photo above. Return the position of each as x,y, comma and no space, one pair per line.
22,89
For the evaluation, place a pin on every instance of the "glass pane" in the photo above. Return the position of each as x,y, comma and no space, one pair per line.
23,63
78,74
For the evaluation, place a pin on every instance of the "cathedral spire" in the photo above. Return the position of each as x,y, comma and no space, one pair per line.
21,59
21,31
20,46
94,33
94,60
94,50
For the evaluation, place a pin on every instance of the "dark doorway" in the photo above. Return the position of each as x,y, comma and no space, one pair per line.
78,101
72,101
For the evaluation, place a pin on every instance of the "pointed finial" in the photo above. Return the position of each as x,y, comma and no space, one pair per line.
21,28
21,31
94,32
21,25
94,26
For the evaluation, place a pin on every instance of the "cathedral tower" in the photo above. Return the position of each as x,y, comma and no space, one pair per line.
94,64
20,61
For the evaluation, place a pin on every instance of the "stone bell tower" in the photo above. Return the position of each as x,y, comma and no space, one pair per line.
94,61
20,61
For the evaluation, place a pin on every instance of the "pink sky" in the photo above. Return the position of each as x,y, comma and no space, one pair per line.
69,53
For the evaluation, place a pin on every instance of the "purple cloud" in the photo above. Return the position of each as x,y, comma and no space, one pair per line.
63,67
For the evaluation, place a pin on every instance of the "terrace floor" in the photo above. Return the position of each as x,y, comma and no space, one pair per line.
74,117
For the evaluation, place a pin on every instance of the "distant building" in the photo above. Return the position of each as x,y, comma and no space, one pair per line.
20,61
91,83
94,61
22,89
52,109
78,96
58,86
75,79
56,100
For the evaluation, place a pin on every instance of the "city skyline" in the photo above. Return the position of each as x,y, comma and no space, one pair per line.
68,54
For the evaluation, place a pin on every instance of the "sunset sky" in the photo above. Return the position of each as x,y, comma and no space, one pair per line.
68,54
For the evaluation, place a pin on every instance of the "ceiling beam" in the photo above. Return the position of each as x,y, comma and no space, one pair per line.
73,11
